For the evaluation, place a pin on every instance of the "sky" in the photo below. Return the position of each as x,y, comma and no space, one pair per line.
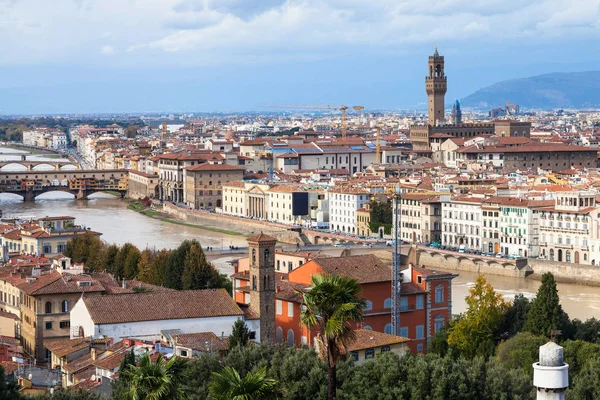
100,56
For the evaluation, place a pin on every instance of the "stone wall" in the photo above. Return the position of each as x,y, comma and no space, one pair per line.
567,272
235,224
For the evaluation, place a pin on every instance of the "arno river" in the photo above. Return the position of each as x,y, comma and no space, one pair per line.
118,224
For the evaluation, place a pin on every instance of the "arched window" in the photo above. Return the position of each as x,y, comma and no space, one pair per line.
64,306
551,254
290,338
279,334
387,303
438,323
368,306
48,307
367,327
388,329
253,256
267,254
81,332
253,282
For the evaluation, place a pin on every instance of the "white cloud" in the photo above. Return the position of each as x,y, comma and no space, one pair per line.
107,50
225,31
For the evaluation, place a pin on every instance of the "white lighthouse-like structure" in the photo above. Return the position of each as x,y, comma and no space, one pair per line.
551,374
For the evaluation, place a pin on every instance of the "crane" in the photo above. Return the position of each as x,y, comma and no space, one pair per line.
342,108
378,146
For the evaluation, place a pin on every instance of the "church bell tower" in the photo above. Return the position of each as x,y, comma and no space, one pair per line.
436,86
262,283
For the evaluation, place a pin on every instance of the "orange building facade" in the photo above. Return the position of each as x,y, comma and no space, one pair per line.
425,298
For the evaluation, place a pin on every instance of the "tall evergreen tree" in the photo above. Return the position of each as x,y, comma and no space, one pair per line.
110,258
546,313
130,268
240,334
197,272
515,317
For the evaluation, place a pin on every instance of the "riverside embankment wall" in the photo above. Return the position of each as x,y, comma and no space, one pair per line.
234,224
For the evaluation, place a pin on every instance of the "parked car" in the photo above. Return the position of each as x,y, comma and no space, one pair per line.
499,255
338,245
367,245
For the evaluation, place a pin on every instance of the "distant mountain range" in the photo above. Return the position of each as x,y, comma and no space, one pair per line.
548,91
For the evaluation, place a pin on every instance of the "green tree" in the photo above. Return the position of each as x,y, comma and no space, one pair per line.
578,353
515,317
120,387
158,380
586,386
69,394
588,331
110,258
122,263
331,303
197,272
473,333
130,269
199,372
240,334
520,351
8,387
300,372
546,313
439,343
228,385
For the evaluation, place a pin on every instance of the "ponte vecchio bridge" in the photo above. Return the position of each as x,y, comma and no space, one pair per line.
81,183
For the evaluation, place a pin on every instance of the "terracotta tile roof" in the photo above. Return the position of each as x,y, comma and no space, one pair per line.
366,339
428,272
197,341
410,288
63,347
365,268
54,283
110,360
215,167
261,237
162,305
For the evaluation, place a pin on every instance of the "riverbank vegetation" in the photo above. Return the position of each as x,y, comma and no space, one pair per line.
185,267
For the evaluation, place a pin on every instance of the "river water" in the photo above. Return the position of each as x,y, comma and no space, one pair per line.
118,224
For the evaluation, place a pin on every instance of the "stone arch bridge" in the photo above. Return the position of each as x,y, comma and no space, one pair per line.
81,183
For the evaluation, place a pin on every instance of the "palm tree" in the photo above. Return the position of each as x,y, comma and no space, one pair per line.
329,306
228,385
159,380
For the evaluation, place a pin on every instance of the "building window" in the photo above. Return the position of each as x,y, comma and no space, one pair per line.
369,354
439,294
367,327
368,306
385,349
387,303
438,323
420,302
420,332
388,329
183,353
290,338
279,307
290,309
420,347
65,324
64,306
404,331
48,325
279,334
48,307
354,355
403,303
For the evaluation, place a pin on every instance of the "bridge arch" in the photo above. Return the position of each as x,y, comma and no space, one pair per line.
68,167
43,167
13,166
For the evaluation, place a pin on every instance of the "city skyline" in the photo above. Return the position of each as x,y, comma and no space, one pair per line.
85,56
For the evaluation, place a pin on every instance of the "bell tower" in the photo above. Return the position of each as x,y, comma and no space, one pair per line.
262,283
436,86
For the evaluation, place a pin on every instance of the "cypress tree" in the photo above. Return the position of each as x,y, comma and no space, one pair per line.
546,313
